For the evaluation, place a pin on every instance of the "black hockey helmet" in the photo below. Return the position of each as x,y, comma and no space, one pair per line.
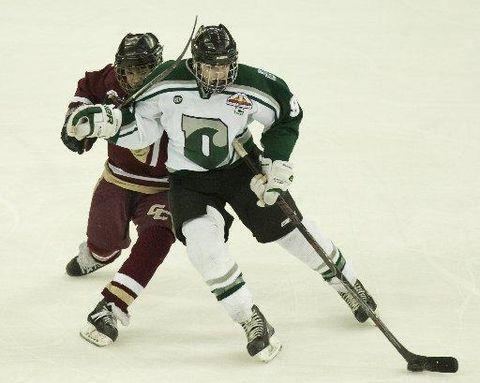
136,56
213,47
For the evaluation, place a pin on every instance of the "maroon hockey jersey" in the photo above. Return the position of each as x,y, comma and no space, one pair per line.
138,170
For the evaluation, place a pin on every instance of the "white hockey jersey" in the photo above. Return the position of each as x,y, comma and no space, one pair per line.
201,130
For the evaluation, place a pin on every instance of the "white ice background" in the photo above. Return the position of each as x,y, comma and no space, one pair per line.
387,163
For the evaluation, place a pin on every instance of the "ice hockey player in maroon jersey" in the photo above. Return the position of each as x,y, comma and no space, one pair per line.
132,188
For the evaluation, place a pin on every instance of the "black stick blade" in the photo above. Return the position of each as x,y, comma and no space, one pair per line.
447,364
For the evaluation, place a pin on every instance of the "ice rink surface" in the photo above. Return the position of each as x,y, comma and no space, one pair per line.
387,163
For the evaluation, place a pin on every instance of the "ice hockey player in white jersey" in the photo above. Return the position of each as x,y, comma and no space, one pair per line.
203,105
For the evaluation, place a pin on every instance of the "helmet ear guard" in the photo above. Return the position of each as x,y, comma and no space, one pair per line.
137,54
212,47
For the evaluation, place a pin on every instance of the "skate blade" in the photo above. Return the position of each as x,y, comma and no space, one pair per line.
269,352
91,335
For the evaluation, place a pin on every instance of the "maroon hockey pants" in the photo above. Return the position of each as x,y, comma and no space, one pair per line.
111,211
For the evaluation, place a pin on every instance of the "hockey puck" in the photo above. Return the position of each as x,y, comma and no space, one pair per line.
453,365
446,364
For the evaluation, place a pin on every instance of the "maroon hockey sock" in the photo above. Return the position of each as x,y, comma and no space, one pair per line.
147,254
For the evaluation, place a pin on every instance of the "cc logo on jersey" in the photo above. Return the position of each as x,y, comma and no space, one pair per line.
177,99
158,211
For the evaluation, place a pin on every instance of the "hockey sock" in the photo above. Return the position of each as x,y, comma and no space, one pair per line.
296,244
239,304
344,266
208,252
147,254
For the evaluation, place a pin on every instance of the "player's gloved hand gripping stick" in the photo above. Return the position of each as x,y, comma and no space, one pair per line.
274,179
415,362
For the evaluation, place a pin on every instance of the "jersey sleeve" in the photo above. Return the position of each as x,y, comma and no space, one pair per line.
91,89
279,138
278,111
141,126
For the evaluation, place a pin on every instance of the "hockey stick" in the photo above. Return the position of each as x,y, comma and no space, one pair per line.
415,362
156,77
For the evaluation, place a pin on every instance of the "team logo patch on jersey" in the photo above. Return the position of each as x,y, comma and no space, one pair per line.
159,212
239,100
177,99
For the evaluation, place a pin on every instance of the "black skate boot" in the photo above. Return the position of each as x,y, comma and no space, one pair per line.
360,314
83,263
262,344
102,329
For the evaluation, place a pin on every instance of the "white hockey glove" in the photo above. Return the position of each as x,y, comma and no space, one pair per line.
94,121
257,185
278,175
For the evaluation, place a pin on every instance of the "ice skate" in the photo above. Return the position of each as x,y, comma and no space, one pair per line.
359,313
83,263
262,343
102,328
